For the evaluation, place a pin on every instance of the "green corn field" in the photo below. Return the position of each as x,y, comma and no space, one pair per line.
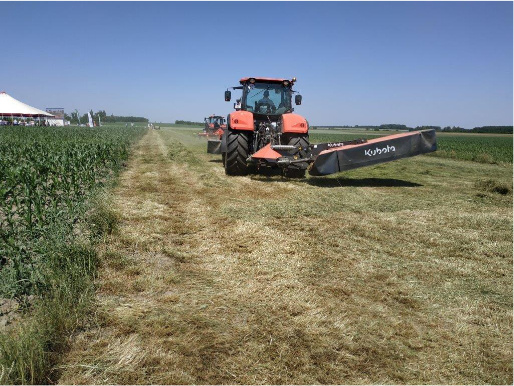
45,177
477,148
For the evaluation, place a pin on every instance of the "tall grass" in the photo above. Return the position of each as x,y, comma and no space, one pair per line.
28,352
50,221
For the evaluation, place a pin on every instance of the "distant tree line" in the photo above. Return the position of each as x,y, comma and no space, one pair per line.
116,118
399,127
188,123
493,129
436,128
104,118
393,126
481,129
371,127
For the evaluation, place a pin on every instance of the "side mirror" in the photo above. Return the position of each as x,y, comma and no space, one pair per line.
228,96
298,99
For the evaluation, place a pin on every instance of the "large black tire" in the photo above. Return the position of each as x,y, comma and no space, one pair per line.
301,141
238,150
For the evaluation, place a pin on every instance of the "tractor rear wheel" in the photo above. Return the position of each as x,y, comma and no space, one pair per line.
301,142
238,150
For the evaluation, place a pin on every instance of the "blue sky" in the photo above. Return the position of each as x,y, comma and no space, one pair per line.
415,63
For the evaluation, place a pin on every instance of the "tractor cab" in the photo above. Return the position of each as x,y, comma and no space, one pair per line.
214,122
214,126
267,98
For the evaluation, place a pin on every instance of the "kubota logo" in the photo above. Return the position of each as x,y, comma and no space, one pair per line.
377,150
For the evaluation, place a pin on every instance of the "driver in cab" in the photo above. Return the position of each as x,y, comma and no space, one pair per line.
266,101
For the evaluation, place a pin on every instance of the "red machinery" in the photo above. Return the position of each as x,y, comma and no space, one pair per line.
214,126
264,132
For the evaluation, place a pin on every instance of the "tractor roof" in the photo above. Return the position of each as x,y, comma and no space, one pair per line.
273,80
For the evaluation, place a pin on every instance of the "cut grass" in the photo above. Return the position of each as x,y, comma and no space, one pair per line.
398,273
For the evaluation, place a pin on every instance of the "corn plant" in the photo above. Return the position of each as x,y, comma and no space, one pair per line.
45,176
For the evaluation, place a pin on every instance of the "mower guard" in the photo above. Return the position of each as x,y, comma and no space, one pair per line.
214,146
374,151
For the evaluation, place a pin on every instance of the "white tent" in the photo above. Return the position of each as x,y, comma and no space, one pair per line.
14,108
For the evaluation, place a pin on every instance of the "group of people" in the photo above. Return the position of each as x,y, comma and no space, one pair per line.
16,122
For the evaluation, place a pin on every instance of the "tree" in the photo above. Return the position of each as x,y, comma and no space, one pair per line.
188,123
104,118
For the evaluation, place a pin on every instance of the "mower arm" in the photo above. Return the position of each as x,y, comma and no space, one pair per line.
359,153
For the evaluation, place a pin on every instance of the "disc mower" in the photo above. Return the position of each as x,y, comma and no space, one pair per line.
264,133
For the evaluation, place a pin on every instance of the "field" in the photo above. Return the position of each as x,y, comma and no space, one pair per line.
397,273
48,178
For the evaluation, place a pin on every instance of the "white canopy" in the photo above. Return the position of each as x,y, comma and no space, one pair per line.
13,107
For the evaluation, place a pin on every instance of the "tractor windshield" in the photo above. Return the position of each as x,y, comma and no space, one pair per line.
215,120
267,98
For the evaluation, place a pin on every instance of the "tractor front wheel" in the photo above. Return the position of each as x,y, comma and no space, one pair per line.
301,142
238,150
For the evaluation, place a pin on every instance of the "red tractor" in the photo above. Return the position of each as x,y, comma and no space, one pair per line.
264,133
264,128
214,126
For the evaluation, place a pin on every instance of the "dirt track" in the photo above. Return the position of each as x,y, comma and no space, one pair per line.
248,280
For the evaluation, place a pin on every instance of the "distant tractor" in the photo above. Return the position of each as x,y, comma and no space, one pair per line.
214,126
264,133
